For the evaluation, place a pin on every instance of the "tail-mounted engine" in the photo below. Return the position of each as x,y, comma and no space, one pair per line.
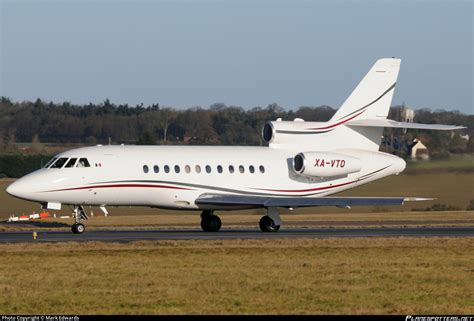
299,134
289,132
325,164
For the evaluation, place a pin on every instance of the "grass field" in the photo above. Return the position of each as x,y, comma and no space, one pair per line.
462,162
327,276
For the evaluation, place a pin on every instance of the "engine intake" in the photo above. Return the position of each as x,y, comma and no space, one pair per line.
325,164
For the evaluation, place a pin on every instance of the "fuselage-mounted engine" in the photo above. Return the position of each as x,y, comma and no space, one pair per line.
325,164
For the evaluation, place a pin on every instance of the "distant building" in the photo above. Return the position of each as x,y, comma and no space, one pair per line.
408,115
419,151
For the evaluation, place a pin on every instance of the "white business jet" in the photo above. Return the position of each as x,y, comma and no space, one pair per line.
304,162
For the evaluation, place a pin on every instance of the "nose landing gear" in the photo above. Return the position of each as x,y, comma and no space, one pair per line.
78,228
79,214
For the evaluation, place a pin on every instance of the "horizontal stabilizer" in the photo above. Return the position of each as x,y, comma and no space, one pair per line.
272,201
397,124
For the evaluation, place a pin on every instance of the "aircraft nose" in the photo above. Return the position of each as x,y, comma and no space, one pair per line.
17,189
13,188
29,187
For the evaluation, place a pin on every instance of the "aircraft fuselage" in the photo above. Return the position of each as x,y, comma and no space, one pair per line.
175,176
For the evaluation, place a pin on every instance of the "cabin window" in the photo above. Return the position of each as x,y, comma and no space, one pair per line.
187,169
251,169
241,169
208,168
197,169
71,163
59,163
262,169
219,169
83,162
145,169
167,169
50,162
156,169
231,169
176,169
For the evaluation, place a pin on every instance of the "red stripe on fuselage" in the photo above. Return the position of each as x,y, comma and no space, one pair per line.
122,185
189,189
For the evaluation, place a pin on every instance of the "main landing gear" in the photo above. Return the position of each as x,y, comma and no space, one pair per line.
210,222
270,222
79,214
268,225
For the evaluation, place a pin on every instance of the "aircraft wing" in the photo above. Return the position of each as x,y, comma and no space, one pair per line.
275,201
397,124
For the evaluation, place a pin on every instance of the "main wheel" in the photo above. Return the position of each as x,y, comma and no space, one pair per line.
268,225
206,213
211,223
78,228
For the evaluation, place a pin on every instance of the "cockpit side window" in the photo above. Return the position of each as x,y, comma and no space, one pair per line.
83,162
71,162
50,162
59,163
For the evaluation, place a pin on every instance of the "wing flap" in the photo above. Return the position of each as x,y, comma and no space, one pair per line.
397,124
273,201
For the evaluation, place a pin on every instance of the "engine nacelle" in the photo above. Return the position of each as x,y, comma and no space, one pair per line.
325,164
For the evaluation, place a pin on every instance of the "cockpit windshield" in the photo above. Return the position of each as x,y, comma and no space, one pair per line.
71,162
59,163
65,162
52,160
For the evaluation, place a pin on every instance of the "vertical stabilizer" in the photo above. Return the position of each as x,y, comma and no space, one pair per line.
373,95
370,100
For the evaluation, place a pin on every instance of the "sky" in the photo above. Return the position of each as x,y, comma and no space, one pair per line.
245,53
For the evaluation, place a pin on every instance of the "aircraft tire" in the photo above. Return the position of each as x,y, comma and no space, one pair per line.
211,223
268,225
78,228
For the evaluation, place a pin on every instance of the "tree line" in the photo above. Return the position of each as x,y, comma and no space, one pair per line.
95,123
219,124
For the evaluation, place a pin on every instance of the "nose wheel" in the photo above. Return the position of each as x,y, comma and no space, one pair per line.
79,214
78,228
